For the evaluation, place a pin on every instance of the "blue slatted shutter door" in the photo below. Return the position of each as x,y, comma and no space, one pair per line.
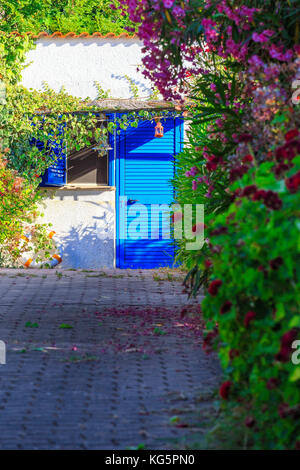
146,167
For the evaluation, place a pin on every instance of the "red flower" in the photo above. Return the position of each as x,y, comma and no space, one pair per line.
210,166
284,354
226,307
233,353
281,168
285,351
270,199
213,162
293,182
176,216
225,389
290,336
208,263
248,158
283,410
237,172
272,383
288,151
198,228
248,318
249,422
276,263
248,190
219,231
214,287
245,138
290,135
208,340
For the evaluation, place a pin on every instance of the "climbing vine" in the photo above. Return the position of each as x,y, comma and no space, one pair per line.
63,15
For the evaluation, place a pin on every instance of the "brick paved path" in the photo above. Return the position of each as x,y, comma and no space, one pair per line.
99,360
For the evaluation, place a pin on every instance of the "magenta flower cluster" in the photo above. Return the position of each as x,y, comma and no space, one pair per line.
158,52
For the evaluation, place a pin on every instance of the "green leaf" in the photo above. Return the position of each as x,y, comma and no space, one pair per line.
295,375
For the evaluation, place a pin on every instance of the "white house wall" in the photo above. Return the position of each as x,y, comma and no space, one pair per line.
77,63
84,222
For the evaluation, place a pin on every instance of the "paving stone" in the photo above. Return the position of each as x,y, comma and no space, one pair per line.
109,382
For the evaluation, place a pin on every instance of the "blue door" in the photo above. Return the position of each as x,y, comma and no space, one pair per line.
144,169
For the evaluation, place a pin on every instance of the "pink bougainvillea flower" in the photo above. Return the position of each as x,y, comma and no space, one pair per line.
192,172
168,3
194,185
260,37
256,62
178,12
225,389
276,52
